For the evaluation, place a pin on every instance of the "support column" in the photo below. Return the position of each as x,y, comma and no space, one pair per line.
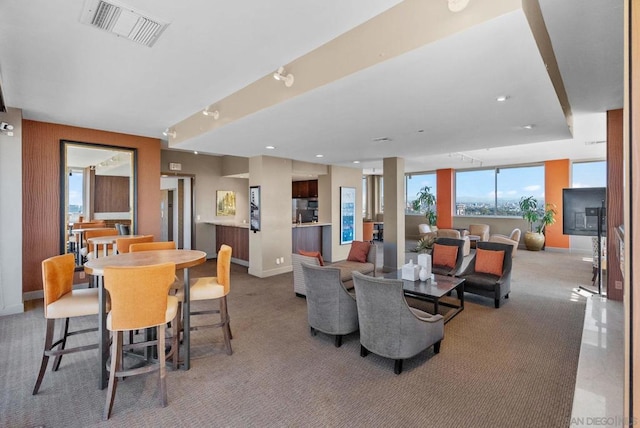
556,178
394,240
444,204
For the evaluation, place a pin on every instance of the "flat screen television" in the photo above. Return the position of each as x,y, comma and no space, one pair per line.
581,210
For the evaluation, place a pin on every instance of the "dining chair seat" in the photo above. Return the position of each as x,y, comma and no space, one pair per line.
205,288
76,303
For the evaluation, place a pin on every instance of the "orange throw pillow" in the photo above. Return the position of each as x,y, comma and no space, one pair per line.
315,254
359,251
489,261
445,255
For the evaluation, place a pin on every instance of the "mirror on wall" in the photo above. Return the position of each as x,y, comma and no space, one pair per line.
97,187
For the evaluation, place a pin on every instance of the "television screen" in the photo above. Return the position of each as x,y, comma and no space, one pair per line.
581,208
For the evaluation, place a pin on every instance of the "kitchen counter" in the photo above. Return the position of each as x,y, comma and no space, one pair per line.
312,224
228,224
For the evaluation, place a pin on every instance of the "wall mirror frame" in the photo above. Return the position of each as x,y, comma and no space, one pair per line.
97,182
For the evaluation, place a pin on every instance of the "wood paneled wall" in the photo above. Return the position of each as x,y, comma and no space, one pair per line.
615,188
111,194
41,188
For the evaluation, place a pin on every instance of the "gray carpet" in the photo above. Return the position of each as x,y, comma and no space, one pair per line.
508,367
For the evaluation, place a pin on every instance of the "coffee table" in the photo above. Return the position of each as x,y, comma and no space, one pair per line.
433,290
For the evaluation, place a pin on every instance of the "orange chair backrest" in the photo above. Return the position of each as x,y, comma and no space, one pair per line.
150,246
138,294
89,224
123,244
98,233
224,267
57,277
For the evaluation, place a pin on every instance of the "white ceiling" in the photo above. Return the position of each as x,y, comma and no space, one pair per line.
432,102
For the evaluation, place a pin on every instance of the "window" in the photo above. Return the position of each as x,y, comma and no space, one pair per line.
589,174
413,184
364,196
76,183
497,191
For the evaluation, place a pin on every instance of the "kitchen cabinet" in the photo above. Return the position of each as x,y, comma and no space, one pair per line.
304,189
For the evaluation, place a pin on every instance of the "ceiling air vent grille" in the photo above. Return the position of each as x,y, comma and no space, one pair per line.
122,21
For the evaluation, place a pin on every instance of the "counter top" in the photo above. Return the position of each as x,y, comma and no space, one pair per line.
228,224
313,224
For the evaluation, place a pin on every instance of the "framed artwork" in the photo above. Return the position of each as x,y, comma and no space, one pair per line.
347,214
225,203
254,208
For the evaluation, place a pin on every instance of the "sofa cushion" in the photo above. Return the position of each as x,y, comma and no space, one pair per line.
489,261
445,255
359,251
315,254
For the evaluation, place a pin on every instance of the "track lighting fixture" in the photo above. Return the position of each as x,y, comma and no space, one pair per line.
281,76
169,133
457,5
215,114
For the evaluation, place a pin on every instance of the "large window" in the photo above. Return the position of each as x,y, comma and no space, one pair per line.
415,182
497,191
76,183
589,174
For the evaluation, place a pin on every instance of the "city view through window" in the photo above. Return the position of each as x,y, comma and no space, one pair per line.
498,191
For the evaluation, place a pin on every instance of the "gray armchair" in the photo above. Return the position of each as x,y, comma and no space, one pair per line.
486,284
330,307
389,327
447,270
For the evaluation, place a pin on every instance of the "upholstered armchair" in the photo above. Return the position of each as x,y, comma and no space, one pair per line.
455,234
389,327
425,230
447,255
513,239
480,230
330,307
489,271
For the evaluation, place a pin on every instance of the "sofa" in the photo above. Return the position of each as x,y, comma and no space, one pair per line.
347,267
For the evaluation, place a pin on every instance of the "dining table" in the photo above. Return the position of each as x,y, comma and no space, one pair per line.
183,259
79,238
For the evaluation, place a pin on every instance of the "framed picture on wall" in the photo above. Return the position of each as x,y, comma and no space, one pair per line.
225,203
254,208
347,214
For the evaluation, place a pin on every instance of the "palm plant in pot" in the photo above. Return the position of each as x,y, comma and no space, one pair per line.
426,201
537,218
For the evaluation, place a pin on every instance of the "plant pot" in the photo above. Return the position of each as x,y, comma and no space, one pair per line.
533,241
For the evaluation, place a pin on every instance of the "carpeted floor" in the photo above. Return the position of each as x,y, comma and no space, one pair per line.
508,367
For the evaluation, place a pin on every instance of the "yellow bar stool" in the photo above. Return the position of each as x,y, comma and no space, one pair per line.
61,301
140,299
213,288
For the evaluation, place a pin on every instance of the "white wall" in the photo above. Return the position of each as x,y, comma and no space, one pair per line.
11,215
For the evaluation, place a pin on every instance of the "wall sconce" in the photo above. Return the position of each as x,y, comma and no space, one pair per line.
169,133
280,75
457,5
215,114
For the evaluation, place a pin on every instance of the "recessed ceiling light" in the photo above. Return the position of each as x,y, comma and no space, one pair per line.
319,156
356,161
195,152
502,98
528,127
270,147
381,139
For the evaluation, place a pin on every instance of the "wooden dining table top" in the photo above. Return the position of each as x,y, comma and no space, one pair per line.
182,259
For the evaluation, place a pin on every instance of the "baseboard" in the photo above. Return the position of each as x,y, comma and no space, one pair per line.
12,310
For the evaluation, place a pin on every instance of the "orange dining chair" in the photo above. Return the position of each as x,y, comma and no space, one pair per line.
214,288
150,246
89,250
61,301
123,244
128,287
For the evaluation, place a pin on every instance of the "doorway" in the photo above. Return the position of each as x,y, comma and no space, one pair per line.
176,211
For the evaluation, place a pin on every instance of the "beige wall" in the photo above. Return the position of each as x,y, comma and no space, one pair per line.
209,179
338,177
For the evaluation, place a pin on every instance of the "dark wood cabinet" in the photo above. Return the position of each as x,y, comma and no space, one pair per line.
304,189
236,237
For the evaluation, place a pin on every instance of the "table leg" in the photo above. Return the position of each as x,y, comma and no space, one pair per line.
105,250
186,316
435,306
103,333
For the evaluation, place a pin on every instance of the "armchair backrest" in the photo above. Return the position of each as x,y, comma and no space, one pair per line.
495,246
447,270
330,308
481,230
388,327
423,228
448,233
515,235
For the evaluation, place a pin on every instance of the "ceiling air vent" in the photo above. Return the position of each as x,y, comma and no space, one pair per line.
123,21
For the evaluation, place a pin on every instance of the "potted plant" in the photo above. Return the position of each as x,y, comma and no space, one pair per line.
425,201
538,218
